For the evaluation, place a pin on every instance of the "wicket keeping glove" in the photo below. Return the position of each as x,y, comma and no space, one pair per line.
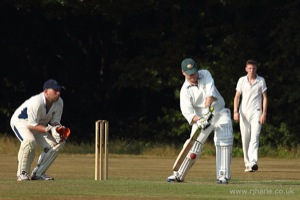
55,134
64,132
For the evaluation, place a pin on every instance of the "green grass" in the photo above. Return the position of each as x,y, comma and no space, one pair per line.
142,175
82,189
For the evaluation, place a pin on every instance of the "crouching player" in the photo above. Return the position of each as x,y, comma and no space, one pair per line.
37,122
197,95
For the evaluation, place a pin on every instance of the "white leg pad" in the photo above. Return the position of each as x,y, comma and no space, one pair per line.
46,158
26,156
223,161
189,160
223,142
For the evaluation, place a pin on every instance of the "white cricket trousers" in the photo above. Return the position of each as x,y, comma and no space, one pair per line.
250,130
25,136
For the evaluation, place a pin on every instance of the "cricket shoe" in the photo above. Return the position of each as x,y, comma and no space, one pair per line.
42,177
254,167
248,169
222,181
174,178
23,177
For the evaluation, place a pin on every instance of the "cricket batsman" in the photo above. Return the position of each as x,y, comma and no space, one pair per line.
198,95
37,122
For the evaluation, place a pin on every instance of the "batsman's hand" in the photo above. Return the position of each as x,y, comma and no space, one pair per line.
208,113
64,132
203,123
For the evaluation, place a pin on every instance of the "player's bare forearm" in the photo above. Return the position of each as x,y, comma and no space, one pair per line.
195,119
209,101
38,128
236,103
263,116
265,103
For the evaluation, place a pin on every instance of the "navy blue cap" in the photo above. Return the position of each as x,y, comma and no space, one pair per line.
52,84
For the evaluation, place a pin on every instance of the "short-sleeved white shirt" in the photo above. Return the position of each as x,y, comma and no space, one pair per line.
192,98
33,111
251,94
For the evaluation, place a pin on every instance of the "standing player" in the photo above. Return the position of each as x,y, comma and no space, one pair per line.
198,93
35,123
251,113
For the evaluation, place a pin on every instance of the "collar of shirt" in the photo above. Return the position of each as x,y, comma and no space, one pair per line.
187,84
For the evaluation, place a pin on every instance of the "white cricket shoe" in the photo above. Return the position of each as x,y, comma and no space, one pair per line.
174,178
248,169
251,168
222,180
42,177
23,177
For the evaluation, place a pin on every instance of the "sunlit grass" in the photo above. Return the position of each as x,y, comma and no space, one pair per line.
133,177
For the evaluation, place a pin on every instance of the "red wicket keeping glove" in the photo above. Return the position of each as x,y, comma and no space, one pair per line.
64,132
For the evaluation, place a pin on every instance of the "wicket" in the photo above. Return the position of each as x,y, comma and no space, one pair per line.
101,149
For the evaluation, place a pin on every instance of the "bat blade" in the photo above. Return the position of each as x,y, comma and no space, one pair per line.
185,150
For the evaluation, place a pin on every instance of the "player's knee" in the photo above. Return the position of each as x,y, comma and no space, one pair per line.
59,146
223,135
29,145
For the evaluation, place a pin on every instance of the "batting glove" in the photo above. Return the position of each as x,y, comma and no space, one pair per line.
203,123
207,113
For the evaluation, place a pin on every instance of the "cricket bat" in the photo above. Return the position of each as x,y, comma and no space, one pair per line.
189,144
185,150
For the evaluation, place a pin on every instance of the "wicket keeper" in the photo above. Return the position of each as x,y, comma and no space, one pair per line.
34,123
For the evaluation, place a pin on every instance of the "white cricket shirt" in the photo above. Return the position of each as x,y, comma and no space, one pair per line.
33,111
192,98
251,94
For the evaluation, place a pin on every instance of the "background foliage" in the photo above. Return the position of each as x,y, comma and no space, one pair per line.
120,60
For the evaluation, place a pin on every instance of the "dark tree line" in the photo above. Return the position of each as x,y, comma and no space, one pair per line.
120,60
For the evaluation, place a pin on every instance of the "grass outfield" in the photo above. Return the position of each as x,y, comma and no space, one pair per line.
135,177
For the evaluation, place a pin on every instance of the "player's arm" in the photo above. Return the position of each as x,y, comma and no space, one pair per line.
209,100
210,89
38,128
236,103
43,129
34,116
263,116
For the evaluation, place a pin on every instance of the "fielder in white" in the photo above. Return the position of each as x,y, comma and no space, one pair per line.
251,113
197,95
34,123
